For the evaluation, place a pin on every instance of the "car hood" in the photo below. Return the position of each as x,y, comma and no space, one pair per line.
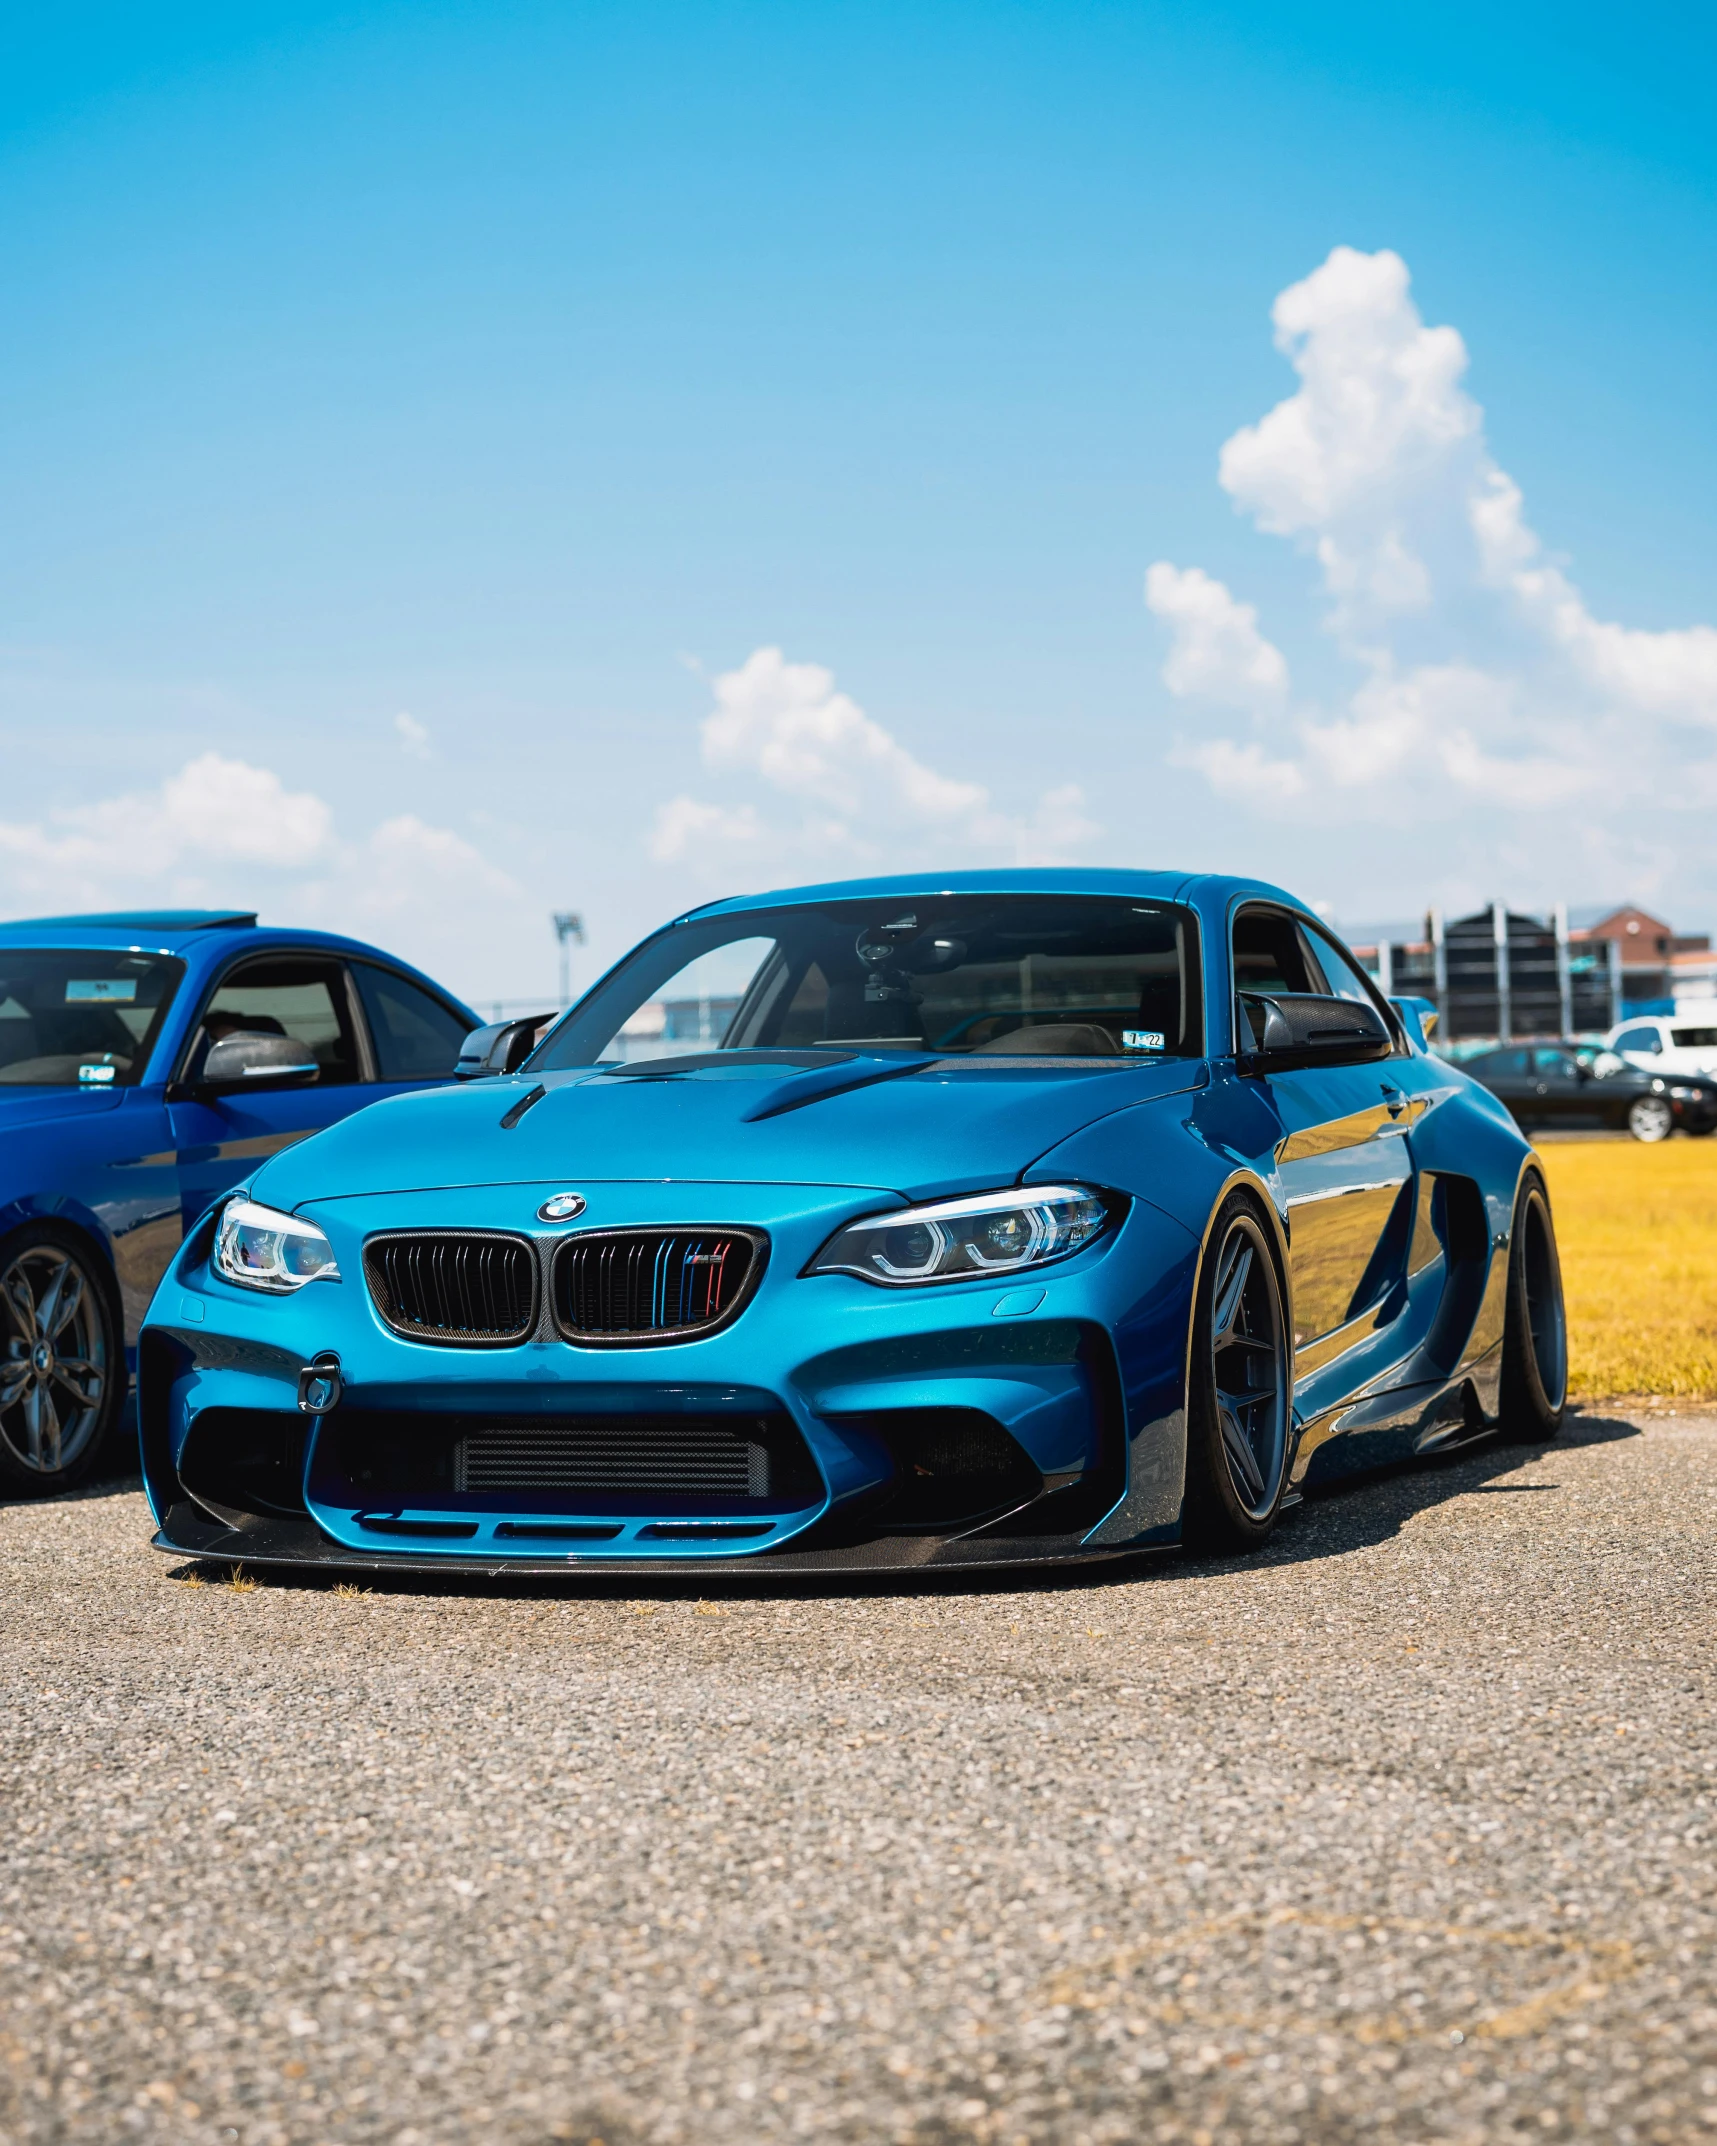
934,1127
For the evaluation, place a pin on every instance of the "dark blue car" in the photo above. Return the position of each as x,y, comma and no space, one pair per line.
1001,1217
147,1062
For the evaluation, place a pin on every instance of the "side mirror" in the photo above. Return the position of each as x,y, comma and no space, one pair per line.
246,1060
500,1048
1298,1029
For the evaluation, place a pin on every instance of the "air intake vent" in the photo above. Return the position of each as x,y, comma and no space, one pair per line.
678,1464
644,1456
473,1289
630,1287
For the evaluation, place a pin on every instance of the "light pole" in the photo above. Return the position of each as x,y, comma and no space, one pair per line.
568,926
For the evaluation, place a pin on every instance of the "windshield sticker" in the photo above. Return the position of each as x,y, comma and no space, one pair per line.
93,1076
1142,1039
101,991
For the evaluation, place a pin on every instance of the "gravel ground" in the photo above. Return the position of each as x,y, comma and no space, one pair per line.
1402,1831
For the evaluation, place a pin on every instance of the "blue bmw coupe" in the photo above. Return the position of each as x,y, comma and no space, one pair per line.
986,1219
147,1062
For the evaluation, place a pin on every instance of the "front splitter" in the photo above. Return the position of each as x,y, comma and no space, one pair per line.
299,1544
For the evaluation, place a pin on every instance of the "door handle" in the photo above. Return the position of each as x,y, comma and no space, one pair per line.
1393,1100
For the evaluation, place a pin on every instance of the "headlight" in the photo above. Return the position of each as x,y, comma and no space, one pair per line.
989,1236
259,1248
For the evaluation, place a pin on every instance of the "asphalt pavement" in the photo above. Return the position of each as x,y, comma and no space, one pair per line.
1401,1831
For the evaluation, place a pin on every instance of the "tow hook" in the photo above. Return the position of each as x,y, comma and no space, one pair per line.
319,1385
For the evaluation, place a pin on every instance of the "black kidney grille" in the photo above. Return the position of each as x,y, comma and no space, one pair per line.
643,1285
644,1456
464,1288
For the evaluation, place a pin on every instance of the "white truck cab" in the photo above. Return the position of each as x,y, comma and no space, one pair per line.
1680,1042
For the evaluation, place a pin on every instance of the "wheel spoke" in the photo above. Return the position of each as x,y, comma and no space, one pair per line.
1247,1397
1245,1341
1230,1293
41,1420
1240,1453
22,1306
68,1302
14,1377
48,1310
81,1380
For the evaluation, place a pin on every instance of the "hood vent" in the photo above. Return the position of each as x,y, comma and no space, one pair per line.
630,1288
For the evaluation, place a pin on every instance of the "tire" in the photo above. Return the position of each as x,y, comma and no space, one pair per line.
1535,1329
1239,1387
1650,1118
62,1360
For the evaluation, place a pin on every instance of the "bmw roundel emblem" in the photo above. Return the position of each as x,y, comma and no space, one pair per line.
562,1207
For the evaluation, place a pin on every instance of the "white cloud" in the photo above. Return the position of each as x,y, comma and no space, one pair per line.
212,812
413,737
1217,653
223,833
1487,692
825,788
684,823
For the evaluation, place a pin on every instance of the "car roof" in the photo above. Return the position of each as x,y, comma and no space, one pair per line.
121,927
1210,889
205,936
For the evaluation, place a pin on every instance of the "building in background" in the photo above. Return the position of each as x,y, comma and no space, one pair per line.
1499,975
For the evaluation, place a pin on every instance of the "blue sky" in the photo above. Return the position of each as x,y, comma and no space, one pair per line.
524,371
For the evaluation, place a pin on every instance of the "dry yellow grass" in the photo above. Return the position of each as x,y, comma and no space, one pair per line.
1637,1229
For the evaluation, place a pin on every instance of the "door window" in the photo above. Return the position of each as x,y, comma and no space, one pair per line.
1343,974
1548,1063
1271,954
1686,1039
416,1036
294,995
1644,1039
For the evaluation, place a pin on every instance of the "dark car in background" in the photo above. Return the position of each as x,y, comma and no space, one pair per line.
147,1061
1572,1087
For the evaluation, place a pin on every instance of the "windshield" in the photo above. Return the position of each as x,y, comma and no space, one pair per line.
999,976
79,1019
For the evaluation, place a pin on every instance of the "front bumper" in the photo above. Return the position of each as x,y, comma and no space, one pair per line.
970,1424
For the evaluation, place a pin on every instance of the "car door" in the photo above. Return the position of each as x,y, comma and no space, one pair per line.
1567,1095
1341,1155
308,996
1508,1075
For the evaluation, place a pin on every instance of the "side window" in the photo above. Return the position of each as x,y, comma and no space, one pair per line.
416,1036
1693,1039
1343,972
298,995
1643,1039
1548,1059
1270,954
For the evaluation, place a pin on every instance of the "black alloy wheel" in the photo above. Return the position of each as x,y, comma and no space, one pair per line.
62,1360
1239,1387
1535,1330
